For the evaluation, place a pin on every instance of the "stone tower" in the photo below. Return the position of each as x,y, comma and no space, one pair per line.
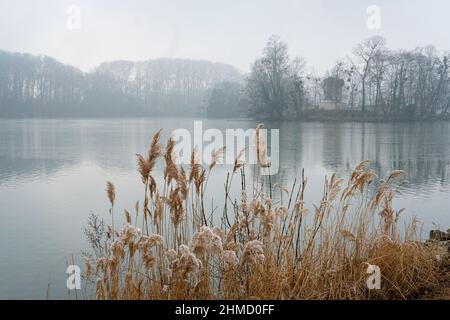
332,89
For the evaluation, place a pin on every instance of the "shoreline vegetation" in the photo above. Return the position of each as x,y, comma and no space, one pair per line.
265,244
308,116
359,116
373,83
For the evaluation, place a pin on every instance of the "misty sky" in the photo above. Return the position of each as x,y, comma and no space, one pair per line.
229,31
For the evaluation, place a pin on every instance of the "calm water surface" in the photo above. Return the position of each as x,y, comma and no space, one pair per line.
53,173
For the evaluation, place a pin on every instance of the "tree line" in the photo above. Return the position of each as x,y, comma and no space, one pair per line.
397,84
40,85
376,81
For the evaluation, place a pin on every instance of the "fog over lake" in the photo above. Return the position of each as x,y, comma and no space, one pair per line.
53,173
353,102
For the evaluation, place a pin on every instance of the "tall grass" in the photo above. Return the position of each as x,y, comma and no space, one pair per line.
169,249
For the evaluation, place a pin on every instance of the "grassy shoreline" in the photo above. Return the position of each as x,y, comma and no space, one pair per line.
169,247
307,116
358,116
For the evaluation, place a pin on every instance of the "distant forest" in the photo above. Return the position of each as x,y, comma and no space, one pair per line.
373,81
40,85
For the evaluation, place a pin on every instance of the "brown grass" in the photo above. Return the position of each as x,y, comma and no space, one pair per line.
260,250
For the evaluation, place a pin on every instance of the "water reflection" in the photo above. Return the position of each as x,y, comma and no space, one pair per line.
422,150
35,149
52,174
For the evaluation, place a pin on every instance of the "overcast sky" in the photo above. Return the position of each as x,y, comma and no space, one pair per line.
229,31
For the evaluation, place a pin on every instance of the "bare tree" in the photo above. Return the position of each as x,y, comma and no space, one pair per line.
275,83
313,88
365,53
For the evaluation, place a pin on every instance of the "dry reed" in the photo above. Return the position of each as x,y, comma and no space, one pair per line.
260,250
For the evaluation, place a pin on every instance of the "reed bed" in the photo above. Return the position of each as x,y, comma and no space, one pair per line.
170,248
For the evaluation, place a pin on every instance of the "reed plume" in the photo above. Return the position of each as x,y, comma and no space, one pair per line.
264,247
111,193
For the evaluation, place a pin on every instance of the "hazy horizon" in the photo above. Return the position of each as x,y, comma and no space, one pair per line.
232,33
235,150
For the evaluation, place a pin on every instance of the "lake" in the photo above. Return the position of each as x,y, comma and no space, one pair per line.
53,174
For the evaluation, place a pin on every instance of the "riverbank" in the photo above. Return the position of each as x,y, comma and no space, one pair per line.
351,245
358,116
439,242
307,116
